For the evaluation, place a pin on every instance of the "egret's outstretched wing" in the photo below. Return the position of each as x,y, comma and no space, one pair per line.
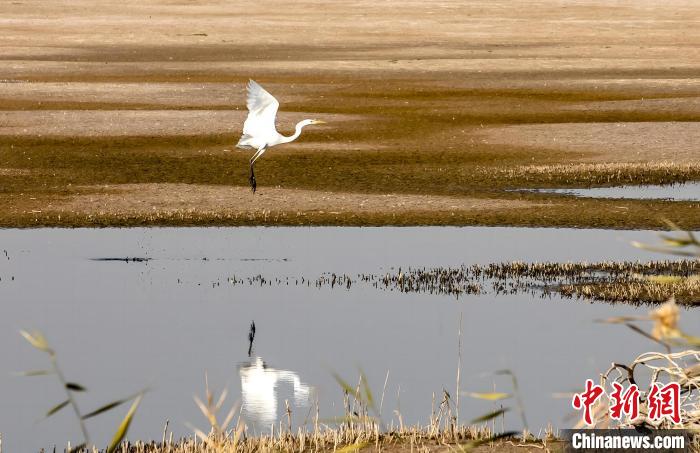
262,109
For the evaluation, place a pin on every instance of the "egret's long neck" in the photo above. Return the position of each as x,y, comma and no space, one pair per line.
297,133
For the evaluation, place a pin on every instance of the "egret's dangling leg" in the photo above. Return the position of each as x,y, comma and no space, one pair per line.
251,179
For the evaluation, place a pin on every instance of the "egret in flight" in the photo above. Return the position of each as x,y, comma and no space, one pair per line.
259,132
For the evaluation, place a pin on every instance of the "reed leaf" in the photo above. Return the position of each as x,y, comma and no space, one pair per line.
221,400
229,417
343,384
622,319
211,416
57,408
109,406
199,433
75,387
676,242
671,224
646,335
367,390
124,426
494,396
691,237
652,248
36,339
691,340
35,373
489,416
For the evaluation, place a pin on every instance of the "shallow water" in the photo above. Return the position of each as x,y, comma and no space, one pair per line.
122,325
676,192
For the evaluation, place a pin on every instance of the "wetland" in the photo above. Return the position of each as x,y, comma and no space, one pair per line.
180,310
520,147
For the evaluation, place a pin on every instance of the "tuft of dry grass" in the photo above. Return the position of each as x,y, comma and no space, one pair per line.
600,174
345,439
687,290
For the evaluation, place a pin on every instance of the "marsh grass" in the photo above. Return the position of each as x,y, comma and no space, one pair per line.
633,282
609,281
360,428
600,174
639,291
344,440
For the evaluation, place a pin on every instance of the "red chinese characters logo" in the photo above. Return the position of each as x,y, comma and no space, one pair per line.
665,401
624,403
587,399
662,400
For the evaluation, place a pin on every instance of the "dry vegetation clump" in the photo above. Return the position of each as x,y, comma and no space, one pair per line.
610,281
651,368
342,440
642,290
602,174
549,271
360,428
634,282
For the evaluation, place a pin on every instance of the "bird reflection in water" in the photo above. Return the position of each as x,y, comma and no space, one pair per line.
261,386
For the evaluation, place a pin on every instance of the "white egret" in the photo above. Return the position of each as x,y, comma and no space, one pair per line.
259,132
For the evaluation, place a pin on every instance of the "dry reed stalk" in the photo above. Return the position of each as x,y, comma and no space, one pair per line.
459,367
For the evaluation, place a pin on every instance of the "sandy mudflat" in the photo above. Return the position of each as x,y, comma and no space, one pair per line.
131,199
422,100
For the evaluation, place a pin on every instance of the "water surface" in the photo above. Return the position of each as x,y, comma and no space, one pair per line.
120,325
675,192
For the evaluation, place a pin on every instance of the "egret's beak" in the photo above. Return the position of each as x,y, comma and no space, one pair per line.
319,122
